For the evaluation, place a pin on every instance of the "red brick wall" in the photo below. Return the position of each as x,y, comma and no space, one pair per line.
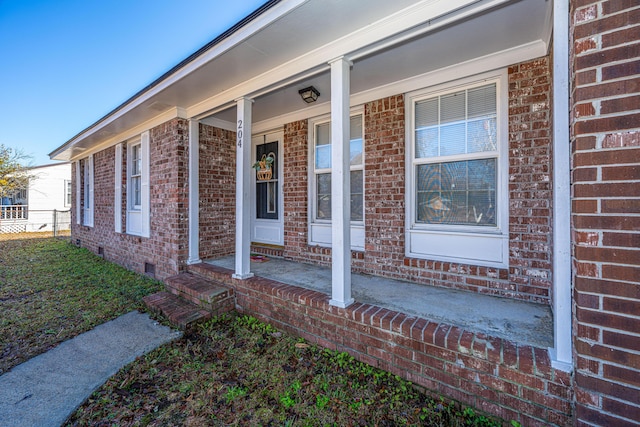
511,381
606,208
295,189
530,178
529,274
217,192
103,197
384,172
167,246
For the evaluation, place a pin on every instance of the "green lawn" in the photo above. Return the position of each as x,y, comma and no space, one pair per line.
230,371
237,371
51,290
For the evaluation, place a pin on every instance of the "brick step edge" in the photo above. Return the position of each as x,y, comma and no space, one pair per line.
179,312
202,291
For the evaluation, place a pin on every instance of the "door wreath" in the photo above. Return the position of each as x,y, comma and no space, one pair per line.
263,167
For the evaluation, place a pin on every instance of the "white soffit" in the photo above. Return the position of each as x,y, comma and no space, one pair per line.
516,31
516,24
295,46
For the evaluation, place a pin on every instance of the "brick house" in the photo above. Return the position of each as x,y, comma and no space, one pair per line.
487,149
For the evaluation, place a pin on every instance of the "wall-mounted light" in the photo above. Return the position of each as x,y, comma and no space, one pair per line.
309,94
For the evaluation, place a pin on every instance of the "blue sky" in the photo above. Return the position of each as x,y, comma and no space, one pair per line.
66,63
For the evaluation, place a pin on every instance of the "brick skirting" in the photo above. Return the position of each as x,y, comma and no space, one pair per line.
492,374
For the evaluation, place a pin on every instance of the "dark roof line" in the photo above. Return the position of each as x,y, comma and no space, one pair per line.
259,11
48,165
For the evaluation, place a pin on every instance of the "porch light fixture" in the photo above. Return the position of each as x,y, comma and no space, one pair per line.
309,94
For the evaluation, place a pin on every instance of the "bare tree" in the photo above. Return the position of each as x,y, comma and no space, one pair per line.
14,174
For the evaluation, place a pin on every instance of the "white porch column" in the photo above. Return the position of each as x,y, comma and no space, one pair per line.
243,177
340,185
194,192
561,353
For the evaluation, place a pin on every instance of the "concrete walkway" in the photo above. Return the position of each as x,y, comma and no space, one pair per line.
46,390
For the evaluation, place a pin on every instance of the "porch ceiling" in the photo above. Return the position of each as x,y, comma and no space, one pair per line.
514,24
287,47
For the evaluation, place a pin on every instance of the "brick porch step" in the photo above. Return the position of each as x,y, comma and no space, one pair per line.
179,311
206,293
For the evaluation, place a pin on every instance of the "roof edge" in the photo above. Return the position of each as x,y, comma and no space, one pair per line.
226,34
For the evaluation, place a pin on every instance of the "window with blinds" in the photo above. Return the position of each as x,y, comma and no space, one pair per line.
456,158
322,170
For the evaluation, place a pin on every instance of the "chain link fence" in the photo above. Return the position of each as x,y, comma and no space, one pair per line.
36,223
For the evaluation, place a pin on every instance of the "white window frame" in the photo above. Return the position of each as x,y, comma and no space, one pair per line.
138,218
468,244
67,192
134,173
87,188
320,229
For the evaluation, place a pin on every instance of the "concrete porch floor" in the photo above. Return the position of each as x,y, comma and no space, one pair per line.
518,321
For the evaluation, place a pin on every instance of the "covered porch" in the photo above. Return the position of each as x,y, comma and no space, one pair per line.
520,322
435,151
485,351
359,74
481,350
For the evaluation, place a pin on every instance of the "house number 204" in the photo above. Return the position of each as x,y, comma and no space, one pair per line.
239,133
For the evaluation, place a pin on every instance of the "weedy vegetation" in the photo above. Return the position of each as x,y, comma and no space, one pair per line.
51,291
233,370
237,371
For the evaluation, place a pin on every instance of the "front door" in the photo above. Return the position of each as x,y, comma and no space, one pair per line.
266,219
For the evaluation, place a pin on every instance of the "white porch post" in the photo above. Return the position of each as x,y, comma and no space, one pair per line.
340,185
561,353
243,177
194,192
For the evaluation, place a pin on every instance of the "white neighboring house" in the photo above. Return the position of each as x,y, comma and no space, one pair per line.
33,209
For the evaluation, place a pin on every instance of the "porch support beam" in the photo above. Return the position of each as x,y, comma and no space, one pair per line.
340,185
194,192
562,352
243,179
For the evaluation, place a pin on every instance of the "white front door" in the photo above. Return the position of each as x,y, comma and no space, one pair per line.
267,224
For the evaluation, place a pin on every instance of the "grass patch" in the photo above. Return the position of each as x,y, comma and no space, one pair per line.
51,291
230,371
237,371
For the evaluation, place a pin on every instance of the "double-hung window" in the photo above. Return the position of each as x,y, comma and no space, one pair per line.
457,194
135,177
320,228
67,192
84,194
138,219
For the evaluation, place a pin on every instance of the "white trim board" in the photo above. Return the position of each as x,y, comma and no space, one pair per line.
476,66
562,353
134,132
412,21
